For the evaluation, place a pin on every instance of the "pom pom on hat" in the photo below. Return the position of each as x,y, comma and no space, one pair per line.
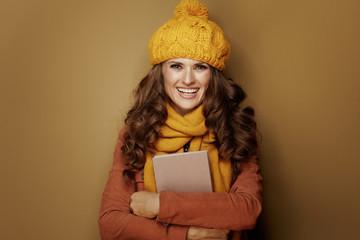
190,34
191,8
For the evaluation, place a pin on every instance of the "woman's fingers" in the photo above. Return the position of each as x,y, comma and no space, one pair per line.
145,204
198,233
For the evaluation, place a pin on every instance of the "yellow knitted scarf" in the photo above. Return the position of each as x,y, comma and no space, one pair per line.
179,130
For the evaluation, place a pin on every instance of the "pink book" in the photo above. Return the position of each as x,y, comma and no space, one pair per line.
187,172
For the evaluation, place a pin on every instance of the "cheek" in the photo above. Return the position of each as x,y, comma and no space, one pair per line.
205,81
168,87
166,80
168,77
205,84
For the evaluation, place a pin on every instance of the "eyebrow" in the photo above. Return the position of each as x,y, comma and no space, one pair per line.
172,62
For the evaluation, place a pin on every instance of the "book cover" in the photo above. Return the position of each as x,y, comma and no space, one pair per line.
187,172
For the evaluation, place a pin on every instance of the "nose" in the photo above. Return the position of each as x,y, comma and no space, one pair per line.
188,77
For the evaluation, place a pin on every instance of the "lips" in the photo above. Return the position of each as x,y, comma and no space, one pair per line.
188,91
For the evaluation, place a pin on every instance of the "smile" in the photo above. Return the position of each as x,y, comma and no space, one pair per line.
188,91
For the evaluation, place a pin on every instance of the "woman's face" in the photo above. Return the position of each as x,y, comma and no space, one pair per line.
185,81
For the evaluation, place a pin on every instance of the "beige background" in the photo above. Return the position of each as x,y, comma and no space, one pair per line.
67,69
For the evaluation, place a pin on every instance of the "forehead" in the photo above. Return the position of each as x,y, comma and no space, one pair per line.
185,61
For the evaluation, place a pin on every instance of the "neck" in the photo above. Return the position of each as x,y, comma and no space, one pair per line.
182,112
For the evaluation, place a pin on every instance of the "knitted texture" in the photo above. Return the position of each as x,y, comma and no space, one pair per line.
190,34
179,130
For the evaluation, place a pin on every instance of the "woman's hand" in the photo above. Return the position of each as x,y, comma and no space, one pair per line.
198,233
145,204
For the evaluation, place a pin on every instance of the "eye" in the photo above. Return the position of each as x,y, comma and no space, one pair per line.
175,66
201,67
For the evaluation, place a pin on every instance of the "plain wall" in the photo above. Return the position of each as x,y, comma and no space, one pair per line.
67,71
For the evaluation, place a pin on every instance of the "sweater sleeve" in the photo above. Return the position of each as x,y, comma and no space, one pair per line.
236,210
116,221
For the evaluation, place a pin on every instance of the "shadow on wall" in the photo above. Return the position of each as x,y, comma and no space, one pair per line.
277,204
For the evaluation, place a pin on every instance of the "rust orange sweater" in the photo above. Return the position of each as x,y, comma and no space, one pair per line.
236,210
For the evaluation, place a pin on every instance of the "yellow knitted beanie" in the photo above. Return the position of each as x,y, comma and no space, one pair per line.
190,34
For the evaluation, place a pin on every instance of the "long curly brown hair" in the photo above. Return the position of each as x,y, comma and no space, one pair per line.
233,125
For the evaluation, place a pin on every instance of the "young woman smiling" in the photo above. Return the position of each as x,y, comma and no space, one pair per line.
185,81
185,104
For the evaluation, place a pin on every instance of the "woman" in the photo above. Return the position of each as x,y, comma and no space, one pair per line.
185,104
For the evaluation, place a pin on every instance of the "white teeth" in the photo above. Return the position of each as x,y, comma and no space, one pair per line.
188,90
